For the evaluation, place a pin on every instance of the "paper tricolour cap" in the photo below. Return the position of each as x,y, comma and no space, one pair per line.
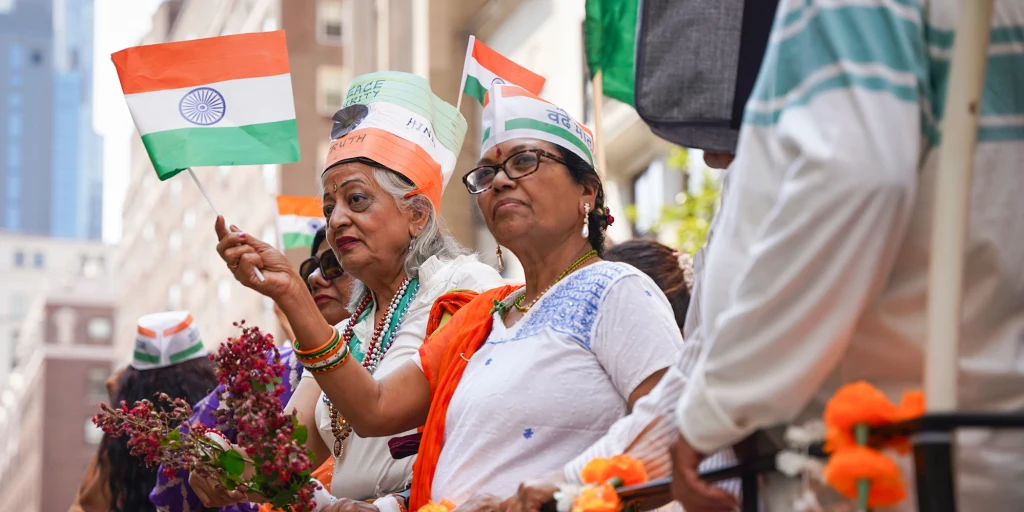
395,120
166,339
512,112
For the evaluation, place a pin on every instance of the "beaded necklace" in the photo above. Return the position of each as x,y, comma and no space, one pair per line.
379,345
572,268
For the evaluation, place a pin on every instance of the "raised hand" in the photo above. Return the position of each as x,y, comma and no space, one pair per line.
244,253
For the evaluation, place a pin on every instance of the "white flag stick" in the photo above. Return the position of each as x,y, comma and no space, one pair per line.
259,275
599,153
952,199
462,86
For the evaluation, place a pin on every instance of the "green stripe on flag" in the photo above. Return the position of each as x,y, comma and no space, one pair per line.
188,352
146,358
487,135
296,240
475,89
173,151
525,123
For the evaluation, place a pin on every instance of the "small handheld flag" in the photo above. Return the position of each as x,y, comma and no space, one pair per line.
298,219
217,101
485,66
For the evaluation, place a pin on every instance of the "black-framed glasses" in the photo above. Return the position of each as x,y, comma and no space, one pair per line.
328,264
516,166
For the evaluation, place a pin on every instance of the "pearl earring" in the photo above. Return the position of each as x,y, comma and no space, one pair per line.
586,221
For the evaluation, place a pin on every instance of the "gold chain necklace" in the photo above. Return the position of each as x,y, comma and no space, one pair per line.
583,259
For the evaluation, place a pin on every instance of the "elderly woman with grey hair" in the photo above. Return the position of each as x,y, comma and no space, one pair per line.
381,194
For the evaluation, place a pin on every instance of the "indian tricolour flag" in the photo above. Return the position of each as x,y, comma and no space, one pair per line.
218,101
298,218
485,66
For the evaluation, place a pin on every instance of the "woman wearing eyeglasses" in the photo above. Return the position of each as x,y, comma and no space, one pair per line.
521,379
394,148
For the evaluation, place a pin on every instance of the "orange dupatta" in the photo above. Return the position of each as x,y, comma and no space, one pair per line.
444,356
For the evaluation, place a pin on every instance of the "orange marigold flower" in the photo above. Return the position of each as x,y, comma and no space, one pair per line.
600,470
444,506
855,463
602,498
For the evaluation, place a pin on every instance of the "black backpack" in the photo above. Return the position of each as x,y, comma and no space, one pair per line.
696,63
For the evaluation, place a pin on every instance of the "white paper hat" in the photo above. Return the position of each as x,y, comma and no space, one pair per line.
166,339
512,112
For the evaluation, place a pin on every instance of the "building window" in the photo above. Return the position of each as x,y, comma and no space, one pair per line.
174,240
37,57
13,124
18,305
15,57
174,297
99,329
330,87
328,21
38,260
90,267
14,80
269,172
269,233
189,218
224,291
321,155
96,384
19,259
13,155
14,99
93,434
13,217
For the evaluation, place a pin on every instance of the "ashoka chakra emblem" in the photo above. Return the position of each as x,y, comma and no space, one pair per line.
203,106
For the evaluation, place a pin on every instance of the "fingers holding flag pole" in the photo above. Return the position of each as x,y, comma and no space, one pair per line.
259,274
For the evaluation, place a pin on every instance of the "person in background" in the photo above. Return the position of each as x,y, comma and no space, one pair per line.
331,288
820,265
670,269
394,149
169,358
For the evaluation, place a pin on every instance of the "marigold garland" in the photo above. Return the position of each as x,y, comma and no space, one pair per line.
444,506
600,498
857,407
627,469
849,465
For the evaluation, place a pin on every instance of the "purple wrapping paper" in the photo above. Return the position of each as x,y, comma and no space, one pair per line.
174,494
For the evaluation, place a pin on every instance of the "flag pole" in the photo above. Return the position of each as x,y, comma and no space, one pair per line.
598,123
202,190
952,201
462,85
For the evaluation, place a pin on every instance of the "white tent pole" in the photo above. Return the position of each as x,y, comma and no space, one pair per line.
952,198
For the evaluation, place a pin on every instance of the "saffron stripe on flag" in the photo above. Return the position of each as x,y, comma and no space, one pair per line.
201,61
506,68
173,151
301,206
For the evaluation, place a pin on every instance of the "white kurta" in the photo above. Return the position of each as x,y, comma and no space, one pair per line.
537,394
818,272
366,468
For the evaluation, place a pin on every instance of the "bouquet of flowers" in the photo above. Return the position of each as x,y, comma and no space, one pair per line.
270,456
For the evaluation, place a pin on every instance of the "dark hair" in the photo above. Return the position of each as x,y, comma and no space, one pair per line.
130,480
661,264
318,238
581,173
